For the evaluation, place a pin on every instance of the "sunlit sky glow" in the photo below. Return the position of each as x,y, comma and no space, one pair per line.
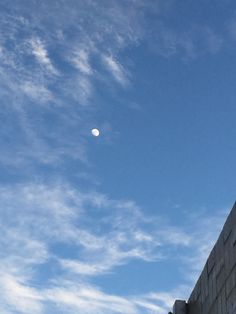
120,223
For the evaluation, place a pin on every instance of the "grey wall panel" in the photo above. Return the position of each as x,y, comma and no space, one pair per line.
215,290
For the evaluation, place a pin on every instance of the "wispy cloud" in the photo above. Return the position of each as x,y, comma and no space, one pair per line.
207,231
64,67
41,222
80,60
18,296
191,43
58,69
67,297
116,70
53,58
41,55
37,92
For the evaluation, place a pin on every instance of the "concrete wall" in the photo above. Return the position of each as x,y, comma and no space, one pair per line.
215,290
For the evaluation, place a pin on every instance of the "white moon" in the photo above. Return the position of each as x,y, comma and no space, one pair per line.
95,132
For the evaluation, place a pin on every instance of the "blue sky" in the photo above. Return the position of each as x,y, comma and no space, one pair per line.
123,222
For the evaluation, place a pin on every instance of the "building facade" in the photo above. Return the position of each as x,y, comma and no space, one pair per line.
215,290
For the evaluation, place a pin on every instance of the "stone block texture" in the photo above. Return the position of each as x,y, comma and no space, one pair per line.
215,290
180,307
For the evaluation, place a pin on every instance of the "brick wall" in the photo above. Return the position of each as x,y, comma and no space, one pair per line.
215,290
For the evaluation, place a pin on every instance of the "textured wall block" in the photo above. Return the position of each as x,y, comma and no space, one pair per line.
215,290
180,307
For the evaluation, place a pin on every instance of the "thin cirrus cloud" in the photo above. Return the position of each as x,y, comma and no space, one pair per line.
53,57
81,61
41,55
116,70
64,297
206,240
42,81
36,92
63,72
40,223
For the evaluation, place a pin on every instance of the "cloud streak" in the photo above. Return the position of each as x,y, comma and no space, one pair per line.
64,54
57,60
116,70
67,298
40,223
41,55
